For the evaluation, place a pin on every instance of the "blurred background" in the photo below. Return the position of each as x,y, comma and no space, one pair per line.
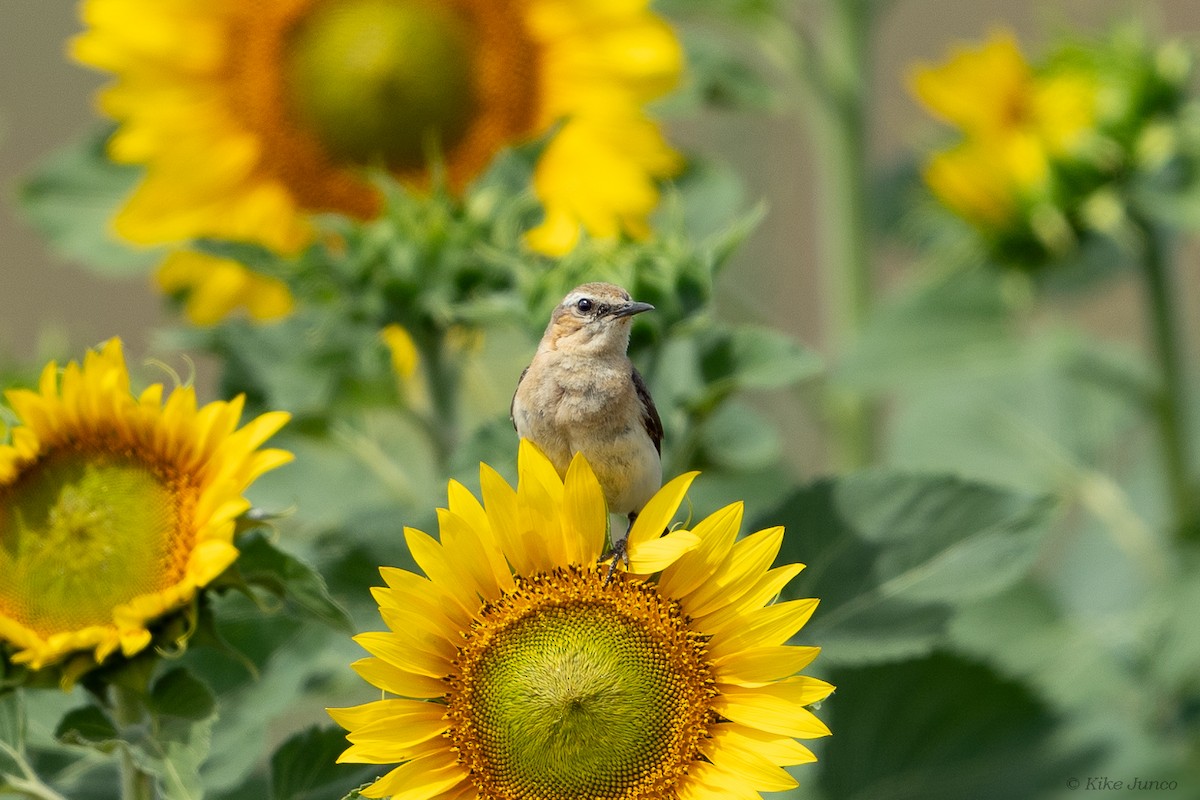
1006,576
45,101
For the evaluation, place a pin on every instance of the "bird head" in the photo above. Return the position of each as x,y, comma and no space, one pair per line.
593,319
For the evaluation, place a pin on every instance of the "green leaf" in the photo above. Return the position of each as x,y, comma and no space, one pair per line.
737,437
180,694
1064,400
72,197
299,585
173,751
305,766
262,691
940,729
706,196
750,357
944,539
253,256
959,323
88,726
891,556
12,729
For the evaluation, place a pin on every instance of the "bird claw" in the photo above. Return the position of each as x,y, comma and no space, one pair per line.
620,552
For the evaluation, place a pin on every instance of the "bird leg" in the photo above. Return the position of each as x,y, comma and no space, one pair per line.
620,551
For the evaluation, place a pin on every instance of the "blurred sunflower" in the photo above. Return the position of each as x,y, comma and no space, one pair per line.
252,115
1014,121
115,509
518,672
216,288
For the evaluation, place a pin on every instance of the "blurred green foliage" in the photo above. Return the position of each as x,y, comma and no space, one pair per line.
1007,600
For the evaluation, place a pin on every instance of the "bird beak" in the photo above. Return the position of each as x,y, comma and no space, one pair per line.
631,308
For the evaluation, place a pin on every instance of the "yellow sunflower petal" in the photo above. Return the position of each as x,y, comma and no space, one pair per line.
707,781
396,709
586,513
769,713
462,545
976,88
402,348
433,561
765,627
539,500
394,680
416,593
747,561
387,647
420,779
800,689
394,739
657,554
464,504
658,513
717,532
740,757
782,751
218,287
762,665
763,591
500,502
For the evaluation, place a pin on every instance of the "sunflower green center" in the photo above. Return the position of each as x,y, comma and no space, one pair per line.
573,689
383,80
81,533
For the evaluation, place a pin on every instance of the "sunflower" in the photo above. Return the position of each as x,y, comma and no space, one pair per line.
1015,122
216,288
250,115
115,509
517,671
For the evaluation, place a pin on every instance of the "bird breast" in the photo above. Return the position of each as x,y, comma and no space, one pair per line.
590,391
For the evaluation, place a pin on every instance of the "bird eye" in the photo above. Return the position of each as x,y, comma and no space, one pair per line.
584,305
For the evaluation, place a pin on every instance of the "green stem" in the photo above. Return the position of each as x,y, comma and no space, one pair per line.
840,101
27,784
442,374
1170,401
135,784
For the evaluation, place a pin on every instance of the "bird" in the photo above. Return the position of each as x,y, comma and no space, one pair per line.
582,394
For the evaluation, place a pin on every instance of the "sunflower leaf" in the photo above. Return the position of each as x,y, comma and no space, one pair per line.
90,727
71,199
735,358
893,556
981,736
180,694
961,323
304,767
172,750
739,438
12,729
301,587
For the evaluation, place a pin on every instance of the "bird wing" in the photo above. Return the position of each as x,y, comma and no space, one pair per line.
512,404
650,418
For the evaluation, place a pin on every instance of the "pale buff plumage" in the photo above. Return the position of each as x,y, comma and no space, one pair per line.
582,394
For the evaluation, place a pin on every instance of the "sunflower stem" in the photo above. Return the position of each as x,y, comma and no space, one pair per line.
442,375
1170,400
838,91
128,710
27,784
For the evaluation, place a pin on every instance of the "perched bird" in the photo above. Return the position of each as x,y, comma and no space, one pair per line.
582,394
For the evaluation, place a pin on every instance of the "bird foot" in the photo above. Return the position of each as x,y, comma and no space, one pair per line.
620,553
